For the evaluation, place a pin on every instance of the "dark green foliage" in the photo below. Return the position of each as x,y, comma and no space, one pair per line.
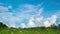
2,26
58,26
54,26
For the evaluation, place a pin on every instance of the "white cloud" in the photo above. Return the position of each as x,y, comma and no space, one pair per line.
27,8
3,9
53,19
58,13
23,25
47,23
50,21
39,11
31,23
6,16
39,20
10,7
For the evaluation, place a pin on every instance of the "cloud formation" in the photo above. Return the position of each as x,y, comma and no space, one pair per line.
26,11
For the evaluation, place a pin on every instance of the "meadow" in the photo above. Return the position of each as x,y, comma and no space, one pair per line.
30,31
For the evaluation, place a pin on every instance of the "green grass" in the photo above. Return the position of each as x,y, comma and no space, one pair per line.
30,31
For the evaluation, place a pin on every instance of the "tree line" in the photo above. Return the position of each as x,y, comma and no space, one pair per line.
3,26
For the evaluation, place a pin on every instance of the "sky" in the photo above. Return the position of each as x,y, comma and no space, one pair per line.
29,13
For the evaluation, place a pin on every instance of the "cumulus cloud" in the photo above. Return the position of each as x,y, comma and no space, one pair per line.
50,21
47,23
53,19
39,21
31,22
23,25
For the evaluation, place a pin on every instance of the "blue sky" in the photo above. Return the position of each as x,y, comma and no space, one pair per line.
29,13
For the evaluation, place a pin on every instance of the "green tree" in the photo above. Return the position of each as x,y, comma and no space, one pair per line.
2,26
53,26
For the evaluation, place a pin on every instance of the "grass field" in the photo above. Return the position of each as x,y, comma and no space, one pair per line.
30,31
